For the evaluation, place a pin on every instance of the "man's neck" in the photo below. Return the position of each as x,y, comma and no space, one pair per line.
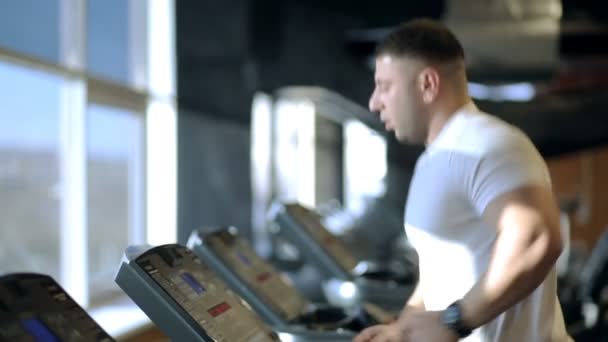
441,116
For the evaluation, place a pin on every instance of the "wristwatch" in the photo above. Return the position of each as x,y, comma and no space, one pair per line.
451,317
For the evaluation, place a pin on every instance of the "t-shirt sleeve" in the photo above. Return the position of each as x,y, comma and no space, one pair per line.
503,170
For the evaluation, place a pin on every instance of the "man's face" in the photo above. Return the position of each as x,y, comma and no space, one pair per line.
398,98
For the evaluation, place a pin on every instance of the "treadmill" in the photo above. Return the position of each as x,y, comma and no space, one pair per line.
381,286
271,293
33,307
188,302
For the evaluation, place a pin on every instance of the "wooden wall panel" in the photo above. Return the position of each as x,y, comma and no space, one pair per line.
583,177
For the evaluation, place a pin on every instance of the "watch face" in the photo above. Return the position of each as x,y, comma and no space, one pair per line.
451,315
452,318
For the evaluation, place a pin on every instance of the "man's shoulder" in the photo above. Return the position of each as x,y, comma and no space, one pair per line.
481,134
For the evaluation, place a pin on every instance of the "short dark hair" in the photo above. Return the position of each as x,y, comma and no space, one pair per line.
424,39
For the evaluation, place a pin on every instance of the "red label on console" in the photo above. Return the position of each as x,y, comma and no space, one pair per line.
262,277
218,309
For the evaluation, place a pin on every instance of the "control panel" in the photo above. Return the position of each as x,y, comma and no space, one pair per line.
186,299
34,307
271,293
201,296
371,283
272,287
311,223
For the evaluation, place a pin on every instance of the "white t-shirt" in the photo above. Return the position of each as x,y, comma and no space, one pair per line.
474,159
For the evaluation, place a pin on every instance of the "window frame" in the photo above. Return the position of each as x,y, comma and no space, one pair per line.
147,92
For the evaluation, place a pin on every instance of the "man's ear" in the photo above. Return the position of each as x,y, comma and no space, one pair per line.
428,82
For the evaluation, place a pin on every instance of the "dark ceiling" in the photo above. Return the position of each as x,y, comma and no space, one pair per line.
229,49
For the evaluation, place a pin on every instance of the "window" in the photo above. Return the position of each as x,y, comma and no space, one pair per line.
108,39
31,27
365,165
294,155
29,170
115,198
80,176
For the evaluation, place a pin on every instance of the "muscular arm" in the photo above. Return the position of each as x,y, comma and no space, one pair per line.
527,246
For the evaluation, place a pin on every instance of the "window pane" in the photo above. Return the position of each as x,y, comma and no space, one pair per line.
107,39
365,165
31,27
114,190
29,170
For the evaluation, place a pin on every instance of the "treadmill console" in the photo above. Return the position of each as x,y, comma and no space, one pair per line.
373,283
311,223
270,286
202,295
33,307
271,293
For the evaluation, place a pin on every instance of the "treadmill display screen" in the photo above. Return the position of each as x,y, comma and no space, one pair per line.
38,330
195,285
219,309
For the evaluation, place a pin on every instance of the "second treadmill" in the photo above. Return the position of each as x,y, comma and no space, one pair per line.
303,228
186,300
270,292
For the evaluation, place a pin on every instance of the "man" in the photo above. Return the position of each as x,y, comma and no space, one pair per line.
480,210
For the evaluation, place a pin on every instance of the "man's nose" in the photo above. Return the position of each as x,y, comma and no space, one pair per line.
374,106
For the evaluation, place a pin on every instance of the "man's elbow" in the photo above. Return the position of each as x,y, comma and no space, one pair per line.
554,246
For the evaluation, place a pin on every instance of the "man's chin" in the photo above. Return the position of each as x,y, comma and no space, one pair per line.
406,139
401,138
